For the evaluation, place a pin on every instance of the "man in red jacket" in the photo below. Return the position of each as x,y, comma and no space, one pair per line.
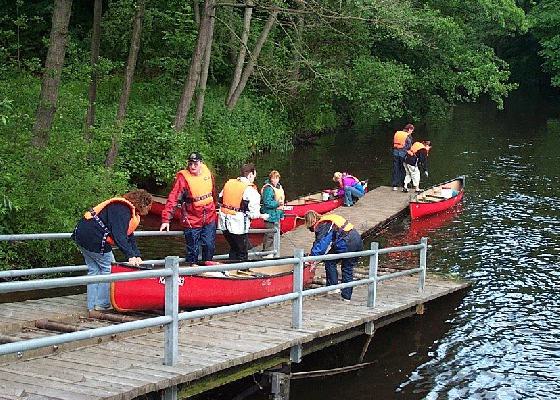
195,193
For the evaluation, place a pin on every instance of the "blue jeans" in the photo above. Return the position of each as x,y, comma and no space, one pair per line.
347,274
195,237
349,191
98,264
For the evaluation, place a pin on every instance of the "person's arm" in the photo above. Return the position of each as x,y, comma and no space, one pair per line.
253,199
172,199
323,239
268,199
118,219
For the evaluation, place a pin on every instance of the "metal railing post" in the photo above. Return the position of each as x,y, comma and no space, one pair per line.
276,241
373,263
171,350
423,263
297,304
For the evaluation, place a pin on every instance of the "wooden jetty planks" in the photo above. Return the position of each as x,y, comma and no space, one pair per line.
375,209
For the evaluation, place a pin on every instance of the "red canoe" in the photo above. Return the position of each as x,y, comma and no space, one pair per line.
321,202
207,289
437,198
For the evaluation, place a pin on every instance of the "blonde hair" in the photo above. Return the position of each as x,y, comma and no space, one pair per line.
311,218
337,175
274,174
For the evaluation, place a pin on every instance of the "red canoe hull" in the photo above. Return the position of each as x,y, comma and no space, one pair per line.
419,209
200,291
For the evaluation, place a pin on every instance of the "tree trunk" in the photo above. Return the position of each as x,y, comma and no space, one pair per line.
252,60
298,49
95,42
196,12
242,49
127,85
194,70
204,73
53,70
131,63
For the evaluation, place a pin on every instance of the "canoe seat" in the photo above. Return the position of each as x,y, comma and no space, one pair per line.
274,270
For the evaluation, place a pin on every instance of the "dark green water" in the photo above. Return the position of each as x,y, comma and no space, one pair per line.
499,340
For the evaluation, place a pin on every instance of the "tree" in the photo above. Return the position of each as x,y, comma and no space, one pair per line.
545,25
52,74
95,43
127,84
195,67
248,70
204,72
242,49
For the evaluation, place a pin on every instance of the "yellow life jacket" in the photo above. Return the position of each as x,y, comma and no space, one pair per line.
232,196
399,140
339,222
279,195
417,146
200,186
134,219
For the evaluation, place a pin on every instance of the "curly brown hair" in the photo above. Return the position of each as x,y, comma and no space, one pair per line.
141,199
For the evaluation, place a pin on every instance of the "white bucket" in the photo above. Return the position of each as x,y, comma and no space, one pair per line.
326,196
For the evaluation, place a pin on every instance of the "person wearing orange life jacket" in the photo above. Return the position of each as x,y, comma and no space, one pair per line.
402,140
110,223
273,198
194,190
335,235
239,203
416,158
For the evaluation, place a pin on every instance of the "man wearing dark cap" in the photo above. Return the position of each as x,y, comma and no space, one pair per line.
194,191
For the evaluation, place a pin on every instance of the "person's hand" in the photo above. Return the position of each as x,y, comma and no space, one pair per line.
265,216
164,227
135,261
426,173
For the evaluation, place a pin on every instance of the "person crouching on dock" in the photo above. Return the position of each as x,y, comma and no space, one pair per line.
335,235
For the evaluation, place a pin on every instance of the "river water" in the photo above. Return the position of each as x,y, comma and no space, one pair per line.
501,338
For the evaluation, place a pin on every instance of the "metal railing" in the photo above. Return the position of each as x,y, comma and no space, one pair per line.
172,316
19,273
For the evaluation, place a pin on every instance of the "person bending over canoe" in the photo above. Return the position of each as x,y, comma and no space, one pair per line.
110,223
240,202
348,186
194,190
335,235
402,140
416,158
273,199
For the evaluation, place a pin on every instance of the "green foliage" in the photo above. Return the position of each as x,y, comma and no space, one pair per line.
545,25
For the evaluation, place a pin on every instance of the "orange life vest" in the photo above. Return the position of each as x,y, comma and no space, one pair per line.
279,195
416,147
134,219
232,196
399,140
200,186
339,222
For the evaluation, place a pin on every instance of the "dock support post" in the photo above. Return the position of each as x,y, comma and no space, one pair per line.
423,257
276,242
280,386
297,304
372,287
171,350
169,393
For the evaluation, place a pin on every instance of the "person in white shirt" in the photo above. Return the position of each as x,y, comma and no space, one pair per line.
239,203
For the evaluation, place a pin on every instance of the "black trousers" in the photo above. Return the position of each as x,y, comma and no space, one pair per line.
397,178
238,246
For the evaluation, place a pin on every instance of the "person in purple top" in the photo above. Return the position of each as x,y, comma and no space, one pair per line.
348,186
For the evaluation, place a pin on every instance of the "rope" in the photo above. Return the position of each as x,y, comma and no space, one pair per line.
329,372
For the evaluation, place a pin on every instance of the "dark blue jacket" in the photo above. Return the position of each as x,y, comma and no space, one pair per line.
338,241
116,217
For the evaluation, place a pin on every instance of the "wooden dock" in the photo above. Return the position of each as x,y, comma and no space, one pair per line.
212,349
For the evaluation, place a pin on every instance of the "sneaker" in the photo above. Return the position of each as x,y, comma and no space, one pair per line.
348,205
103,308
345,299
405,190
334,291
268,256
418,190
395,188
